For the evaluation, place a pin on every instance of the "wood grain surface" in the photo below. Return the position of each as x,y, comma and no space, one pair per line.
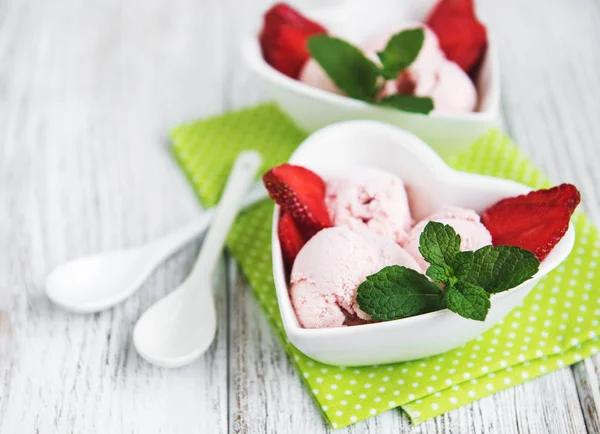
88,90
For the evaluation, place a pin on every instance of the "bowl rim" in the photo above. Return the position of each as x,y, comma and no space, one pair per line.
559,253
253,58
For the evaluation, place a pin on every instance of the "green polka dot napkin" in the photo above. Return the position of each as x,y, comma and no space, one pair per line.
557,324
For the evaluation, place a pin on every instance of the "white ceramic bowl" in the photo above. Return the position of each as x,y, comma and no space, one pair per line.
356,20
372,143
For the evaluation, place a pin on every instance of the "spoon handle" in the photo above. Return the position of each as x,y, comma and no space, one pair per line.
242,174
170,243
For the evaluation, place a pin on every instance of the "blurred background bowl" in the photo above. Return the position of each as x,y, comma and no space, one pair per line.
354,20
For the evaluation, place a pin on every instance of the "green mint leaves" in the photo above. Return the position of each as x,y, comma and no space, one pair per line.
398,292
501,267
401,50
359,77
439,244
346,65
408,103
460,281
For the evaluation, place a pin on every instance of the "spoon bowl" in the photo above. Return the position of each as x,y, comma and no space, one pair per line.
90,283
174,314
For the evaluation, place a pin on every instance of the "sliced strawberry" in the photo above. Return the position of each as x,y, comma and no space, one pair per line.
301,193
564,194
290,238
284,36
462,37
536,221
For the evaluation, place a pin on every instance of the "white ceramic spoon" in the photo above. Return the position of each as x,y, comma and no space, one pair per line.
98,282
179,328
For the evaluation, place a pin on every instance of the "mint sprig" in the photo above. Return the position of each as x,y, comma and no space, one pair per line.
460,281
359,77
398,292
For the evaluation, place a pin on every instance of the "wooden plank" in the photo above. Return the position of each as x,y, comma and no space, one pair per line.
88,91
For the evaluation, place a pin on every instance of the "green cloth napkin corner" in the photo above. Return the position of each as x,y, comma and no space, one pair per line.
557,325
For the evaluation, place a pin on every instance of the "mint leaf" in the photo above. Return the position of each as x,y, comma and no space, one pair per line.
401,50
462,263
408,103
439,274
467,300
439,244
499,268
347,66
398,292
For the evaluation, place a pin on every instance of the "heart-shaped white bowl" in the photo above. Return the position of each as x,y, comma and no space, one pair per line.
428,178
356,20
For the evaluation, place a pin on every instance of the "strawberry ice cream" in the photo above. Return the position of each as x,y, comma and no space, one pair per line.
454,92
369,198
466,223
432,75
329,269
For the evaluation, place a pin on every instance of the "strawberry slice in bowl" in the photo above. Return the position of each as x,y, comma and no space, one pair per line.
284,36
291,239
301,193
536,221
462,37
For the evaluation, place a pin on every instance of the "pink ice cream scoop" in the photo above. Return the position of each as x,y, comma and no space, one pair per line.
329,269
466,223
369,198
452,92
432,75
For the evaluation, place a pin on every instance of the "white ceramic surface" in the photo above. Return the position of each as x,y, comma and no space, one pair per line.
426,175
180,327
356,20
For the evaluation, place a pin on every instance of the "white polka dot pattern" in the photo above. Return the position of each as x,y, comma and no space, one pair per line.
557,325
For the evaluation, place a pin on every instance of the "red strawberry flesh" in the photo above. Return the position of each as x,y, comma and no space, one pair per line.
564,194
301,193
536,221
290,238
462,37
283,38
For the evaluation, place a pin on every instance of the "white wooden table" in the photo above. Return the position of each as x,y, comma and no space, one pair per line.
88,90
